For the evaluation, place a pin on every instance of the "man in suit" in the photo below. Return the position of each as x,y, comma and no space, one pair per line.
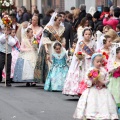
68,34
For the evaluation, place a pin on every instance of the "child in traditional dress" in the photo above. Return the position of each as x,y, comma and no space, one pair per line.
24,69
15,51
114,70
78,67
71,51
96,102
105,50
59,69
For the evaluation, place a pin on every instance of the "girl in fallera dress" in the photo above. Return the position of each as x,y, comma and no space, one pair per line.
71,51
96,102
15,52
105,50
114,70
24,69
77,68
59,69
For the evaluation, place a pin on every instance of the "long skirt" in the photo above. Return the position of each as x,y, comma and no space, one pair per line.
24,71
41,68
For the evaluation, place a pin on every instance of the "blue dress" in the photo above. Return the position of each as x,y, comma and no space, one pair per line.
57,74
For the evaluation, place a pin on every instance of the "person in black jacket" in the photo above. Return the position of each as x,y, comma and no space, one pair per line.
97,20
68,34
25,15
47,17
81,16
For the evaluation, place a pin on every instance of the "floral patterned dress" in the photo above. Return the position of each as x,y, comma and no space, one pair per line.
57,74
76,73
96,103
25,65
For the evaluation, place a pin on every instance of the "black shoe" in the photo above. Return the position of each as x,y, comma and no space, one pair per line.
33,84
8,84
27,84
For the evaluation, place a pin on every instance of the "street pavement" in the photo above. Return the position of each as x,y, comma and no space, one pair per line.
33,103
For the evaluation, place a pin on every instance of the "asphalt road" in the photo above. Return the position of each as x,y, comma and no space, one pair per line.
33,103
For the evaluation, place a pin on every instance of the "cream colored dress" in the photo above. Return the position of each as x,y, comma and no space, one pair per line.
96,104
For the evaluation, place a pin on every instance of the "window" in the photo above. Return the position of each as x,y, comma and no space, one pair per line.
47,4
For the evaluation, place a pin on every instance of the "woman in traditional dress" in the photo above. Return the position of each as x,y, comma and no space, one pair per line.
22,30
24,69
37,30
51,33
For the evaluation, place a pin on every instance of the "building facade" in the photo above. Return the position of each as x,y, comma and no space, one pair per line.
44,5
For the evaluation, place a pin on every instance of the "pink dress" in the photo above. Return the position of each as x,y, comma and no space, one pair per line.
76,72
15,54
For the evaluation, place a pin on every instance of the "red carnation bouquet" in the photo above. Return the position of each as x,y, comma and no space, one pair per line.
105,55
80,55
105,58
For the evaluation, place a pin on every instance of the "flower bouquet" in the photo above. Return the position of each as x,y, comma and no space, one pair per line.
105,55
116,72
80,55
7,21
71,52
105,59
94,74
35,43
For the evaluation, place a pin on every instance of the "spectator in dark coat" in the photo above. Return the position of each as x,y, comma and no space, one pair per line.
47,17
68,34
81,15
97,20
25,15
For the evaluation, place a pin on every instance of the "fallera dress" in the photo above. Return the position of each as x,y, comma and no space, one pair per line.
96,104
24,69
114,84
77,70
57,74
42,65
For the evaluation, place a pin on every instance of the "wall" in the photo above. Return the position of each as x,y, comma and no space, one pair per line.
90,3
69,3
39,5
118,3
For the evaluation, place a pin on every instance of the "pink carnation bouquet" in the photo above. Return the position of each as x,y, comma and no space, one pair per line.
116,73
94,74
